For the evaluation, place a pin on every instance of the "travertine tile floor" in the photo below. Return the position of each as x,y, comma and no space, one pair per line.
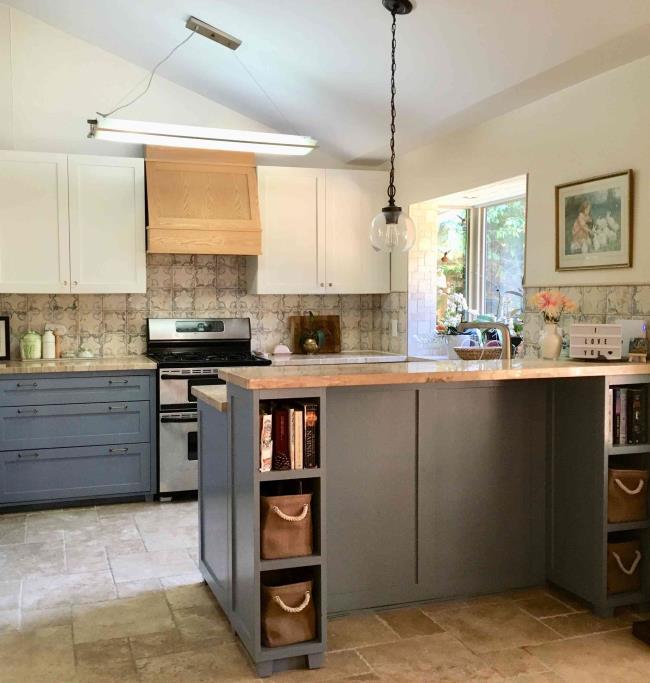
113,594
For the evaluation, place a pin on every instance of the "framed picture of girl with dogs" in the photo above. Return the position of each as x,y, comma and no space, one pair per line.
593,222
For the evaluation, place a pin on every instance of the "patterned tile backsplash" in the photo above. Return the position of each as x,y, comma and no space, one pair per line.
595,304
198,285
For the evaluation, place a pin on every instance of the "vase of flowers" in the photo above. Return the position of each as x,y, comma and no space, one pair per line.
551,305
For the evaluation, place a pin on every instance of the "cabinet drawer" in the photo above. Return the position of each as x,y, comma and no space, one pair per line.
37,390
74,425
53,473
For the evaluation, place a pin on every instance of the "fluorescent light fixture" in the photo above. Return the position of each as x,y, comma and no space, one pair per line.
199,137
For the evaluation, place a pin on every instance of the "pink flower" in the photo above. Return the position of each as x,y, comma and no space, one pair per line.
552,303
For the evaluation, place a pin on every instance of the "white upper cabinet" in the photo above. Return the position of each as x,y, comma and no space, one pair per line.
71,224
352,265
107,224
292,213
34,247
315,225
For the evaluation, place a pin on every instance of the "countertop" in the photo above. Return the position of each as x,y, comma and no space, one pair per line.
342,358
38,367
213,395
421,372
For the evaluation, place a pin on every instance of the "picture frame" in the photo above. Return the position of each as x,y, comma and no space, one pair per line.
5,350
594,223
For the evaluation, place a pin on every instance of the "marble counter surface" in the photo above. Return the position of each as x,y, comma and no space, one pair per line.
215,396
418,372
343,358
39,367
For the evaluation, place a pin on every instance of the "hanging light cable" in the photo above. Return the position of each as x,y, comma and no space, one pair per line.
197,137
392,230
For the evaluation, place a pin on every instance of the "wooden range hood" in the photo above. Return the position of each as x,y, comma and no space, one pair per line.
202,202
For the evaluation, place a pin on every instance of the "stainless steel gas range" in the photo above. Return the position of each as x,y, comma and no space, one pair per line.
189,352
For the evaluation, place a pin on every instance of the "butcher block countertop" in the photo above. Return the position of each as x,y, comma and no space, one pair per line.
41,367
214,395
420,372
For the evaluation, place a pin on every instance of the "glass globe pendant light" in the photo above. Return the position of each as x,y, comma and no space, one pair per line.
392,230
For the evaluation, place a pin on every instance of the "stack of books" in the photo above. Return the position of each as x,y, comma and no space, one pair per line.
289,436
629,415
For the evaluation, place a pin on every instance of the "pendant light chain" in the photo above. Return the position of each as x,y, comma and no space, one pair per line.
393,91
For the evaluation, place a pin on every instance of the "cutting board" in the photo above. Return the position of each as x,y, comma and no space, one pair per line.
331,324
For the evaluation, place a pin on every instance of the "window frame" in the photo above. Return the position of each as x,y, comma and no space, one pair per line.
477,251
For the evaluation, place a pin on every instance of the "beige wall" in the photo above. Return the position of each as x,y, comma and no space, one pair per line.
599,126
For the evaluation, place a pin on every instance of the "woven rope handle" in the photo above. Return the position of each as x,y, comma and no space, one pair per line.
630,492
293,610
291,518
635,564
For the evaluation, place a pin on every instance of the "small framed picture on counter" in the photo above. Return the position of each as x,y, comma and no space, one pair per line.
4,337
593,223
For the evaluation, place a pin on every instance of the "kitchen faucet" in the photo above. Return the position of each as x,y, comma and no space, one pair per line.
505,334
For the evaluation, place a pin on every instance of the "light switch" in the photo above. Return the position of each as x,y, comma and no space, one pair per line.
393,328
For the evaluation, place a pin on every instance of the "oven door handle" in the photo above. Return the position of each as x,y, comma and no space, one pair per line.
178,419
186,377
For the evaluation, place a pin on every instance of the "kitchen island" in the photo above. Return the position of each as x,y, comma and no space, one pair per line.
435,480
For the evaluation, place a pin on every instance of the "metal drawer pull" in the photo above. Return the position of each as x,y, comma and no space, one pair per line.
28,455
32,411
118,381
124,407
23,385
118,450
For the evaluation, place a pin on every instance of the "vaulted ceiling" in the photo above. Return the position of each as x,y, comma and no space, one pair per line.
325,63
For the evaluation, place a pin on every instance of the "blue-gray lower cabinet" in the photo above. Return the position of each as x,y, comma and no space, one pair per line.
74,436
31,390
78,424
74,472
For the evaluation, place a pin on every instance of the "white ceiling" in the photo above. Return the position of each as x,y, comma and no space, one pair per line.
326,62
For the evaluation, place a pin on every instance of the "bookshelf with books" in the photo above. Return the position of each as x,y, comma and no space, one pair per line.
600,433
277,449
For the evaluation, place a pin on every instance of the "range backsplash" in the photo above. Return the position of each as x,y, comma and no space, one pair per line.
186,286
595,305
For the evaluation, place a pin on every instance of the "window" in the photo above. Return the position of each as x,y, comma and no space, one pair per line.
504,227
453,240
481,255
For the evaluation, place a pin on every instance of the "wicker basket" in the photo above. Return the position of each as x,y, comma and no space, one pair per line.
627,495
624,567
478,352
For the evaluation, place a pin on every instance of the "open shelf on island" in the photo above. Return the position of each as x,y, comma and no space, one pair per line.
621,599
628,449
274,475
628,526
290,562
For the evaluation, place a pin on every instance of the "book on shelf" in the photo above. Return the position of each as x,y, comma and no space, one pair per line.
299,426
310,433
289,435
637,416
629,417
266,441
281,456
622,437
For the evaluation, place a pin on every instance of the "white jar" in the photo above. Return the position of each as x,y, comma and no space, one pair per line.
49,344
